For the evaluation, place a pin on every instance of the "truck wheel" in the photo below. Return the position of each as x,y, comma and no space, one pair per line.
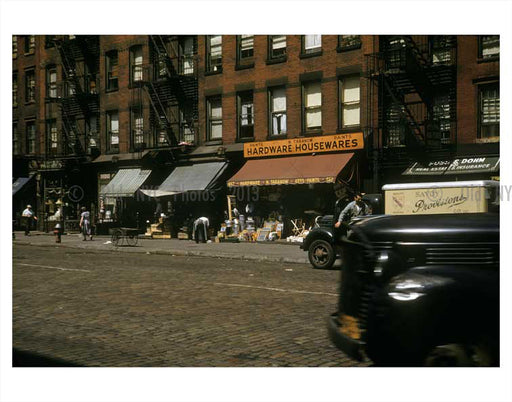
461,355
321,254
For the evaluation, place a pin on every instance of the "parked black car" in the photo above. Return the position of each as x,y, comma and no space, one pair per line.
420,290
321,244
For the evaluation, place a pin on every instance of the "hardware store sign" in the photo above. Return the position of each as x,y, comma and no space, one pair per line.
307,145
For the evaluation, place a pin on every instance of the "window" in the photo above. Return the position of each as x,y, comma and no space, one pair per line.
311,44
49,41
30,44
214,53
89,81
92,133
113,131
395,130
51,82
30,86
349,42
441,114
136,64
312,106
162,138
214,118
15,90
488,46
277,111
112,70
14,46
349,96
137,128
72,141
441,49
52,137
15,140
69,86
245,115
31,137
489,110
277,47
245,45
395,52
187,51
186,133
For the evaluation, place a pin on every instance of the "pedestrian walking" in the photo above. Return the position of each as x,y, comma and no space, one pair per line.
201,229
28,215
85,223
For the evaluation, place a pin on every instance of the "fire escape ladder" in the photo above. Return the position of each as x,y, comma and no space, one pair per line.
416,66
70,66
72,135
405,111
160,111
169,53
162,54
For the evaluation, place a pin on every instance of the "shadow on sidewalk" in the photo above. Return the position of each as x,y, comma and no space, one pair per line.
29,359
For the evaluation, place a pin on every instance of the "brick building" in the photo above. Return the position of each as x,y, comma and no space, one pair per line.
280,90
173,114
433,107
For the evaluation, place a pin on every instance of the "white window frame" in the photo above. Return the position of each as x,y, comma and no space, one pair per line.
312,107
245,44
113,130
348,101
278,121
214,104
137,60
312,43
214,53
489,108
277,42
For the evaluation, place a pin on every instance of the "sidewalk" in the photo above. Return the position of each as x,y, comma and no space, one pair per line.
269,252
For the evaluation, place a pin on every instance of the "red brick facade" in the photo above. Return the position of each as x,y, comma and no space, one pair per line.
328,65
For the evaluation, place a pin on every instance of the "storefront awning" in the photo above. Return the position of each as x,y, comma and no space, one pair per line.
198,177
291,170
477,164
19,183
125,183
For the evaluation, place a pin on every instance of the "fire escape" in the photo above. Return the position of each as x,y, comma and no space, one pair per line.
78,94
411,99
170,84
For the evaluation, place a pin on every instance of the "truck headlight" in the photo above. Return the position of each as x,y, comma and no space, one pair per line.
407,290
405,296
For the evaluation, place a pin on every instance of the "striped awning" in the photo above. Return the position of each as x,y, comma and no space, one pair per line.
125,183
197,177
19,183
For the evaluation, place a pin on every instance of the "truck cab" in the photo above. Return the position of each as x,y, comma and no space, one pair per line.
420,283
321,242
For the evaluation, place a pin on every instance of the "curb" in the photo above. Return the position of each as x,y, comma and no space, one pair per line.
177,253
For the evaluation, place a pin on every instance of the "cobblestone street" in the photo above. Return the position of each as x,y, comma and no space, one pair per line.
91,308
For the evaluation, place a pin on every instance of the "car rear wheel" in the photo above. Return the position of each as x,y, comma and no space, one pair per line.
321,254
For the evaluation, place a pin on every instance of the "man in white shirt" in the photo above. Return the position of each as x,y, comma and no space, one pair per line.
201,229
27,216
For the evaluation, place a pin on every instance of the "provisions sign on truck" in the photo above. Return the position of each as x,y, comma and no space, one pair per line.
439,198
